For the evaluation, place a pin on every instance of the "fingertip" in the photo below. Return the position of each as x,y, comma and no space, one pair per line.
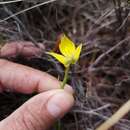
69,89
60,104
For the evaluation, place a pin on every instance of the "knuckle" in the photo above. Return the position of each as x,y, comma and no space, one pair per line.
31,120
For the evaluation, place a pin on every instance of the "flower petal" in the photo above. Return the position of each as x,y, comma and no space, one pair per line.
60,58
66,46
77,53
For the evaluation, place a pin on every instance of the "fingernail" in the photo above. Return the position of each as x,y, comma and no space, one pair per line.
69,89
59,104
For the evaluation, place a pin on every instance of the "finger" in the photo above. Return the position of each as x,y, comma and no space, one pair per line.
40,112
26,49
24,79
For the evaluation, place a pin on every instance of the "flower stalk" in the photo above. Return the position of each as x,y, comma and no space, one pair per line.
65,77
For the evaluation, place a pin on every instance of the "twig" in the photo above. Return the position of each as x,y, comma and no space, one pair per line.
104,55
11,1
115,117
25,10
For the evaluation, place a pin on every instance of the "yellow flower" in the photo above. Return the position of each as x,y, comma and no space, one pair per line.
70,54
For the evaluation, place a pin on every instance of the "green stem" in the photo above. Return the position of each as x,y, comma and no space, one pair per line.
65,77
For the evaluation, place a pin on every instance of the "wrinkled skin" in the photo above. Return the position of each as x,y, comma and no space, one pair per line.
42,110
26,49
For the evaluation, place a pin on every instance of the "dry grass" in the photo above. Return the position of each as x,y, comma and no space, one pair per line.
102,77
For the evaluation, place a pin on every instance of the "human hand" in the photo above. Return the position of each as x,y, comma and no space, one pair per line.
42,110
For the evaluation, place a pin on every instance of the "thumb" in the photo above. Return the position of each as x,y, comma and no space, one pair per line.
40,112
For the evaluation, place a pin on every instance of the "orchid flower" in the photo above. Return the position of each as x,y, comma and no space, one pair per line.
69,54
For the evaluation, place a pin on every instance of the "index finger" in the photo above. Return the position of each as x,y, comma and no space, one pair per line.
24,79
